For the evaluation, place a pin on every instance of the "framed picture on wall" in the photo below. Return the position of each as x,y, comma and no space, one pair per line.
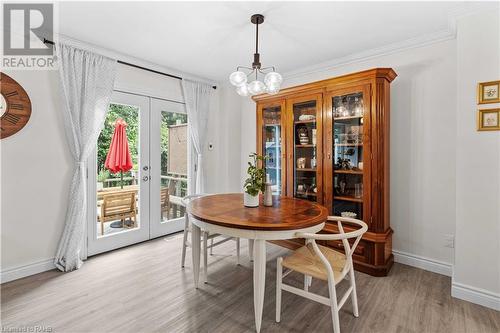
488,120
488,92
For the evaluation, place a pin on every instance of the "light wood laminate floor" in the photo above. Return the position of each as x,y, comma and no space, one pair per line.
143,289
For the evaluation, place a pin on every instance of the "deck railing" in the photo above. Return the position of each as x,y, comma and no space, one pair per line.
180,182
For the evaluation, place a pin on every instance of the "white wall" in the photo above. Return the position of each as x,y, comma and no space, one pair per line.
35,176
477,261
423,103
36,167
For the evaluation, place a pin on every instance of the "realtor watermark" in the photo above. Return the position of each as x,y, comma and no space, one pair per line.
26,27
27,329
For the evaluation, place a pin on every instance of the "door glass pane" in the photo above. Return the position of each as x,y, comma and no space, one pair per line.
305,157
348,112
174,164
117,171
271,134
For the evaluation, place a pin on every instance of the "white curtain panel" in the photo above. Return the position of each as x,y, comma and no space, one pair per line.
197,99
87,81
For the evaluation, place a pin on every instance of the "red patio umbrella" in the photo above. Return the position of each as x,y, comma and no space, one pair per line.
118,158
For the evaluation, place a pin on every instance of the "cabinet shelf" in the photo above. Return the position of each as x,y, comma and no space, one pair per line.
305,146
345,198
349,172
305,169
313,121
306,194
347,118
348,145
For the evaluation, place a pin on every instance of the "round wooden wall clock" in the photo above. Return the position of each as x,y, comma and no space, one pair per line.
15,106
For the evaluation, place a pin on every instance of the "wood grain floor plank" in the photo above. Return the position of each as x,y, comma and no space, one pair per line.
143,289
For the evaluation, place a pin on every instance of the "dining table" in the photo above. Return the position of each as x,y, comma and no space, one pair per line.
226,214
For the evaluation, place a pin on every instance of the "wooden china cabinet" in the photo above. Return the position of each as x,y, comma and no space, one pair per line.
328,141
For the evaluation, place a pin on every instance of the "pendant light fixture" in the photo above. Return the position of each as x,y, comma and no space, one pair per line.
248,83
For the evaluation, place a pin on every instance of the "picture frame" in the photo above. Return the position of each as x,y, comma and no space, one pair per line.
488,92
488,120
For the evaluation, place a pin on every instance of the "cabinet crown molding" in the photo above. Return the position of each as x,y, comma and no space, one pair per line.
384,73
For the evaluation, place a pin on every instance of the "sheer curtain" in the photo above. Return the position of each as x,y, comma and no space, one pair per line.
87,81
197,98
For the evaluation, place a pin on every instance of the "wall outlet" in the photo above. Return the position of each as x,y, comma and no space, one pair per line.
449,241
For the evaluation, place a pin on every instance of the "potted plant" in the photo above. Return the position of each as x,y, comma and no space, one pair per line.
101,177
255,183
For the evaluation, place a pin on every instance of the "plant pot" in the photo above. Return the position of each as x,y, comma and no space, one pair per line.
250,200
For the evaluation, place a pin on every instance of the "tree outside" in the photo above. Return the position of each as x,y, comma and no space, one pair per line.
131,116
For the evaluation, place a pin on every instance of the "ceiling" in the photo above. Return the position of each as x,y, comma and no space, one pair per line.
209,39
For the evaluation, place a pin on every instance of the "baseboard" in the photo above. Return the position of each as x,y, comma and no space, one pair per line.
475,295
26,270
424,263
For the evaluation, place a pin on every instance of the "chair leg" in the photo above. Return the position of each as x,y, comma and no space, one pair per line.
279,278
334,306
212,246
205,256
307,282
354,296
237,251
184,241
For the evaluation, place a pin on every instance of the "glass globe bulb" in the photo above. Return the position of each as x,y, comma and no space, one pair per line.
242,90
273,78
273,89
238,78
256,87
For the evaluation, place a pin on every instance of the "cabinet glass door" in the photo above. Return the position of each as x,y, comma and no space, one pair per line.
349,117
272,145
306,119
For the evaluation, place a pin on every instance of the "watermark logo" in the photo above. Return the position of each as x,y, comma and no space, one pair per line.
26,26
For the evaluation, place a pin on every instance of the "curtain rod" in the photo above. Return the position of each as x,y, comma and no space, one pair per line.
46,41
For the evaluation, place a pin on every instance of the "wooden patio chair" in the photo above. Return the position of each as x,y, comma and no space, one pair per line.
165,194
118,206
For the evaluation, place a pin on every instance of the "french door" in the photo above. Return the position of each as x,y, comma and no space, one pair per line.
143,201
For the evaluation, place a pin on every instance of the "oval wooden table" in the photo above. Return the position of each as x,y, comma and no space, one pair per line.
225,214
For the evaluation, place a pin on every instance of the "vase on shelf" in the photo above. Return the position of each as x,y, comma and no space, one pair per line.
303,135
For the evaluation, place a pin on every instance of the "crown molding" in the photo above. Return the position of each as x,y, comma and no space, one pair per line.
437,37
127,58
447,34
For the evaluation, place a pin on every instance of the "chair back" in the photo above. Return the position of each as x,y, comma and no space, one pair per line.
342,235
118,205
164,197
172,187
190,197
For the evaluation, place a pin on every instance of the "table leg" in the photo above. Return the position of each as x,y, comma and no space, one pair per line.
259,280
195,251
250,249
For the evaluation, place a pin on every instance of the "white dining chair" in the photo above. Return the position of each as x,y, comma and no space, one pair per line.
324,263
205,237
